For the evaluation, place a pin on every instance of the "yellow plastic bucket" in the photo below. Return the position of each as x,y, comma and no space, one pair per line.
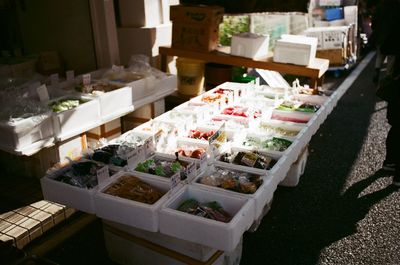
190,76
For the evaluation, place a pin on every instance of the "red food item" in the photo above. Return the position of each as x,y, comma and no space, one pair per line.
200,135
197,153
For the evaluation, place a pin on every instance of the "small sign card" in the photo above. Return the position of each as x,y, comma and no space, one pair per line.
43,93
103,175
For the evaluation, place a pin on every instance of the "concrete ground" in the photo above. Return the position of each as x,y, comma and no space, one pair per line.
344,210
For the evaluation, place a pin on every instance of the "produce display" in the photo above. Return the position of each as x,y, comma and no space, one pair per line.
239,111
211,210
212,98
82,174
163,168
274,143
248,159
195,134
112,154
132,188
232,180
192,152
268,129
65,104
298,106
96,88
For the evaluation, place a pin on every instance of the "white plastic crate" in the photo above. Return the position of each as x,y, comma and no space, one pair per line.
20,133
280,170
77,120
250,45
129,212
215,234
56,191
296,170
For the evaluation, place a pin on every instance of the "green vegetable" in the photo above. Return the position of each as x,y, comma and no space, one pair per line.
160,171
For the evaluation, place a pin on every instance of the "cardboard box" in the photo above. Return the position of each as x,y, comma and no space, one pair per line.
109,131
335,56
145,40
196,27
197,14
143,13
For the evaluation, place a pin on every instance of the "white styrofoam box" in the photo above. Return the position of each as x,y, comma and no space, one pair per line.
180,121
295,49
351,14
321,23
292,116
261,197
212,233
283,125
129,212
22,132
335,37
199,113
280,170
313,99
272,78
115,103
66,194
315,33
313,124
238,146
193,250
337,22
77,120
296,170
250,45
190,171
143,13
330,2
143,40
123,250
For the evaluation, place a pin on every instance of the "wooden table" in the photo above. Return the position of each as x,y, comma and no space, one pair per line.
315,71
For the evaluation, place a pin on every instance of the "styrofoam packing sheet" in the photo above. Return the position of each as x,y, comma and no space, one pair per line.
196,251
212,233
130,212
313,99
77,120
261,197
20,133
66,194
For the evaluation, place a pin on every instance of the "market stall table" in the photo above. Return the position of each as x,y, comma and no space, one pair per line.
315,71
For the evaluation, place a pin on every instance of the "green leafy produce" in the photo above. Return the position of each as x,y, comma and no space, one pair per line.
65,104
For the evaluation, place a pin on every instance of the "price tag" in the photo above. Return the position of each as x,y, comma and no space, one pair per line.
175,180
43,93
149,147
70,75
86,79
103,174
54,79
203,161
132,159
191,171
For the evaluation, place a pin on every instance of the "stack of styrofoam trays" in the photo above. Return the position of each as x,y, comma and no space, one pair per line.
204,231
76,120
23,133
186,174
214,177
68,194
243,144
129,212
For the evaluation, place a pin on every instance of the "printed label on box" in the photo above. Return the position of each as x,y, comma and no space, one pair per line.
191,172
175,181
133,159
149,147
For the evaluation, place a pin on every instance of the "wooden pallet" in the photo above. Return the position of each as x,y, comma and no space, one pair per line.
23,225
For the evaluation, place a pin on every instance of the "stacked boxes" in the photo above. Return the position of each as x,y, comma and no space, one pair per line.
196,27
144,27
